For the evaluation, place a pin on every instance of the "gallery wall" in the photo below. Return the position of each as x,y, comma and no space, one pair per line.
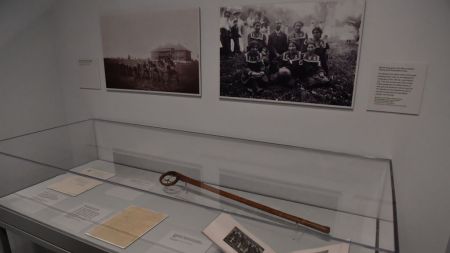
30,91
31,94
403,30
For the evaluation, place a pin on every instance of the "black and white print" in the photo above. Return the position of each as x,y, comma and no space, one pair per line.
242,243
154,51
305,52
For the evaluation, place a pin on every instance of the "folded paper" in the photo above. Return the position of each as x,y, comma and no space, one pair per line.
127,226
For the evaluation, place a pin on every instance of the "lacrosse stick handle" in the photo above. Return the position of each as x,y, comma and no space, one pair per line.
175,176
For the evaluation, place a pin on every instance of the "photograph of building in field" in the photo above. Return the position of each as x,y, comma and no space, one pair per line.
152,51
178,53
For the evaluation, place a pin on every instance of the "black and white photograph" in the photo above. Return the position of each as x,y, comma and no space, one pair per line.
152,51
296,53
232,237
242,243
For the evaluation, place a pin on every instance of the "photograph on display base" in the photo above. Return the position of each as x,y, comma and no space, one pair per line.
299,53
241,242
152,51
232,237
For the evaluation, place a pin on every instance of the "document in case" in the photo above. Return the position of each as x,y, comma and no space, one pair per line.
44,196
97,173
74,185
127,226
34,200
81,217
232,237
183,242
335,248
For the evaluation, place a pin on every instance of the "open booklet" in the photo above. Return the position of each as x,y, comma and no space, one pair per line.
232,237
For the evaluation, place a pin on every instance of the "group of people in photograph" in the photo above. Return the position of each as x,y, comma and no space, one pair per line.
161,71
242,243
294,58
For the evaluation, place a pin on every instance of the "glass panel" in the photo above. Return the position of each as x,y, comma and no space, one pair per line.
351,194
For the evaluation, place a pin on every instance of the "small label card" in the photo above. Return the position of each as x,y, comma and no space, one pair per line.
89,73
185,242
232,237
74,185
336,248
397,87
81,217
97,173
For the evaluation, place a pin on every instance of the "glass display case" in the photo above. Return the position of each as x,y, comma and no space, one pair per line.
352,195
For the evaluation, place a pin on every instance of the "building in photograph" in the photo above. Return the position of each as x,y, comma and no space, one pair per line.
178,53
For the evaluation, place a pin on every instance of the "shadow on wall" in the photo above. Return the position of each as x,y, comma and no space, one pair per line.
16,16
448,246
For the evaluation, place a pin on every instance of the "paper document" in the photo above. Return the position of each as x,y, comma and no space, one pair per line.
183,242
44,196
127,226
81,217
97,173
336,248
32,201
74,185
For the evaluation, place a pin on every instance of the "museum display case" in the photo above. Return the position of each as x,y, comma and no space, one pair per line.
61,184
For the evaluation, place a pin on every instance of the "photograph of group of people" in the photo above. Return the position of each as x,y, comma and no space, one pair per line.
241,242
303,52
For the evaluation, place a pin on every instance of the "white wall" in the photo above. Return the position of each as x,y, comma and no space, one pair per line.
399,30
30,91
31,94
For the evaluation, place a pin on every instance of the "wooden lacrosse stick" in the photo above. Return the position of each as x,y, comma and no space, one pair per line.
171,177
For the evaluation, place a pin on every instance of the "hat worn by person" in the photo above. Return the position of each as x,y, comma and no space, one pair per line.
253,43
298,22
317,29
